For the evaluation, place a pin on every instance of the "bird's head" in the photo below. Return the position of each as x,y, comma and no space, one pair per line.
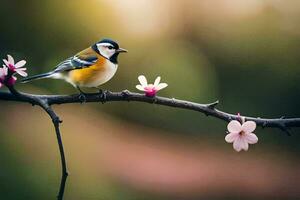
108,49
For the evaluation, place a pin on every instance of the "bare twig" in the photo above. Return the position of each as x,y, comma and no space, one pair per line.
56,121
43,103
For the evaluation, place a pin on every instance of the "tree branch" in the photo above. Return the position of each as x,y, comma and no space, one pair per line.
43,103
56,121
207,109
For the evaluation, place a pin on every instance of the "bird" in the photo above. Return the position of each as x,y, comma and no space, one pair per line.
90,67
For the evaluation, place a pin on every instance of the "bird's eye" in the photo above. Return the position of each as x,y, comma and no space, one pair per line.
110,47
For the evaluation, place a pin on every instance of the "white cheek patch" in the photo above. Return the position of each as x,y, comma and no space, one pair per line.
104,51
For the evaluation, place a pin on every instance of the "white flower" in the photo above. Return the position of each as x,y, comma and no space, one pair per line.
150,89
15,68
241,135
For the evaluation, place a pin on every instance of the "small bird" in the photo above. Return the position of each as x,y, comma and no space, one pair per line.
91,67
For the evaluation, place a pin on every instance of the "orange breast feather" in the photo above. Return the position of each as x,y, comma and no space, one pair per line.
89,74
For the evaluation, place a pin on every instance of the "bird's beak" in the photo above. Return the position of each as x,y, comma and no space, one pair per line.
120,50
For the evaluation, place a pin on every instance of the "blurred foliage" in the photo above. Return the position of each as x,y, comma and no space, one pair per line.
244,53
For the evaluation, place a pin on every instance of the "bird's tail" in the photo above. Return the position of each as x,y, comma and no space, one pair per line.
36,77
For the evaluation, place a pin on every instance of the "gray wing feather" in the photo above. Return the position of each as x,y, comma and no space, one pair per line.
74,63
79,63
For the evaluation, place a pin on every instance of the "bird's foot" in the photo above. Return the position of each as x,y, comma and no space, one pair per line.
125,93
82,97
102,95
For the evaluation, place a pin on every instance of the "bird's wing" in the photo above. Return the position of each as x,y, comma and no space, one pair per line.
81,60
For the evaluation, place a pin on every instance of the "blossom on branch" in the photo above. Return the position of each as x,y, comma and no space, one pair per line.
15,68
9,69
241,135
150,89
11,81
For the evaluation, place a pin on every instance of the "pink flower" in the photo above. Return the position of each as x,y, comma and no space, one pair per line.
3,73
241,134
15,68
11,81
150,89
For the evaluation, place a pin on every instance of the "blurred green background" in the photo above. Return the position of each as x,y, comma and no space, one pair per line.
244,53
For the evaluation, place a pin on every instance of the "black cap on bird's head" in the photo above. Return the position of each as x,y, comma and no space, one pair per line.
110,41
109,49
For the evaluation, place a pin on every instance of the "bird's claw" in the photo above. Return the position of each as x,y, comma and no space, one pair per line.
125,93
82,98
102,95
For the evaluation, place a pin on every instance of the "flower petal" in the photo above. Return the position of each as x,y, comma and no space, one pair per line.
3,71
1,84
237,144
249,126
23,69
231,137
5,62
21,72
10,60
234,126
20,64
139,87
143,80
161,86
156,82
240,143
251,138
245,145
